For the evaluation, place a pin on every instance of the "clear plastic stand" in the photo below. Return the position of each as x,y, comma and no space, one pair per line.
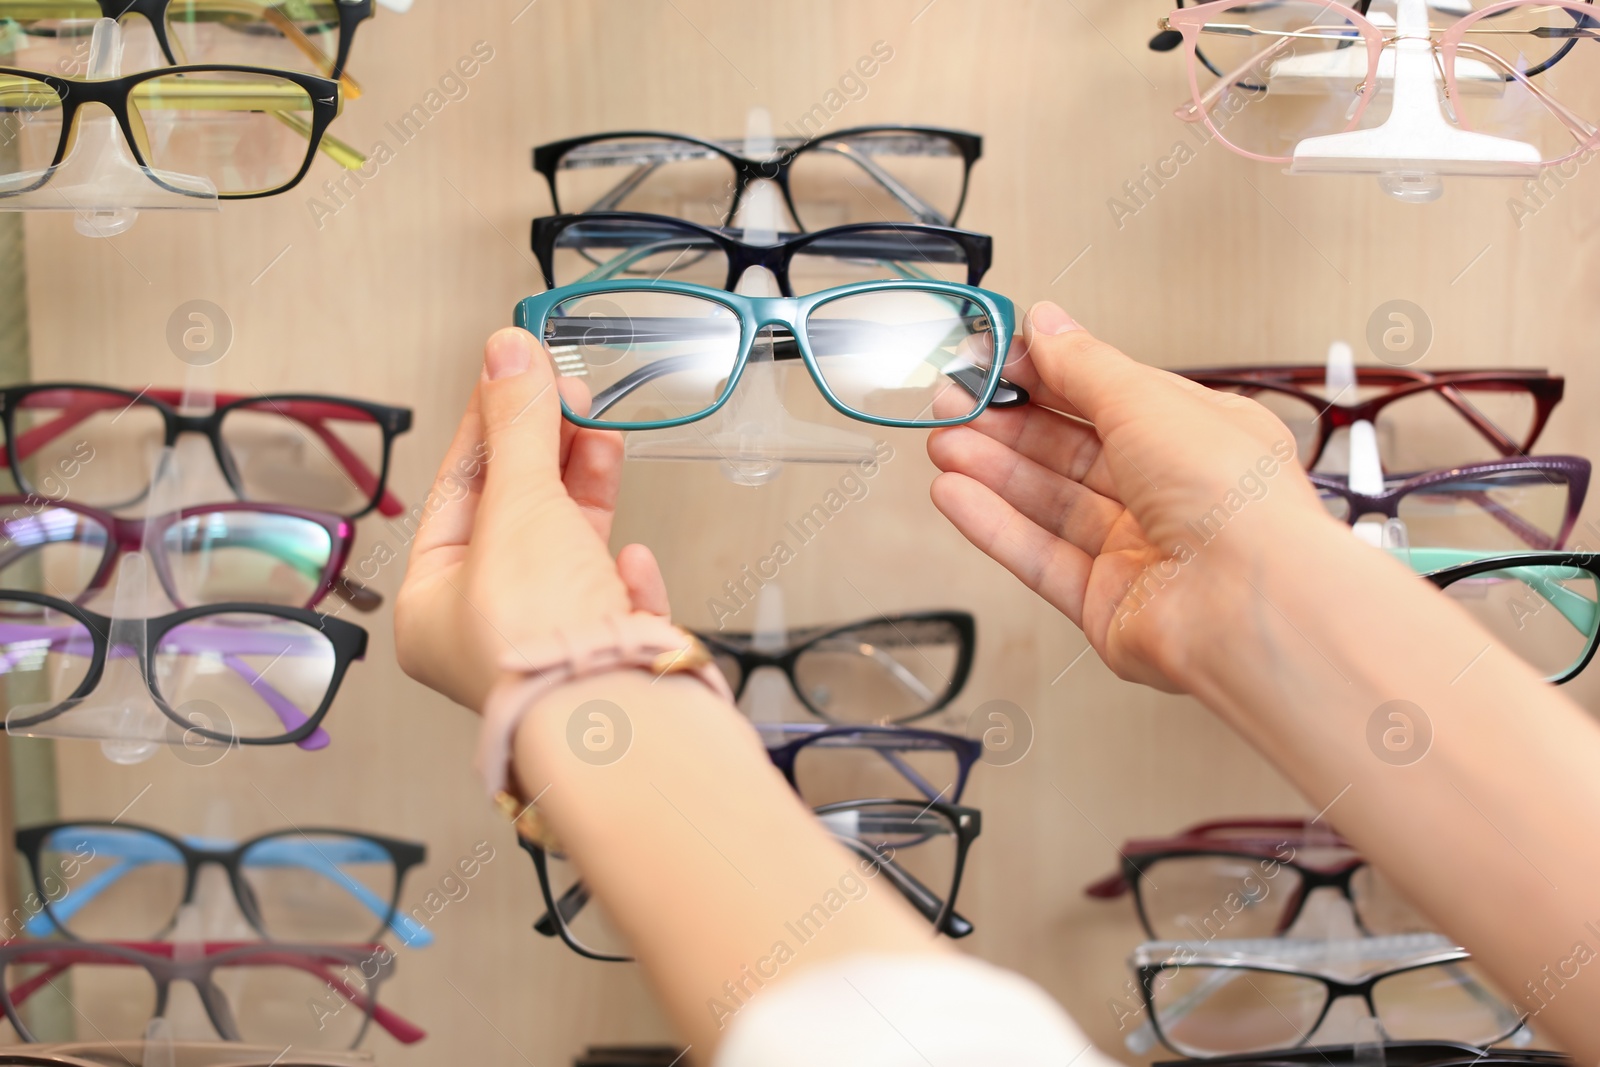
766,694
100,180
120,713
1417,146
754,435
158,1050
1365,466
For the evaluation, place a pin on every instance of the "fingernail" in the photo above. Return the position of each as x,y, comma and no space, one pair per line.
1050,320
507,355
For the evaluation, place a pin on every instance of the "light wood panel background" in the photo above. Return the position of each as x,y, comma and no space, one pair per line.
392,296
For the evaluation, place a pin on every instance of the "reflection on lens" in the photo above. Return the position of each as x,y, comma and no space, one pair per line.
1545,614
874,255
263,557
45,656
581,914
64,993
245,133
319,886
645,356
50,550
30,128
891,175
269,674
1206,1011
904,848
608,249
308,453
289,34
891,354
1506,510
107,883
1451,998
1528,73
848,766
1274,73
885,671
1192,898
654,175
96,446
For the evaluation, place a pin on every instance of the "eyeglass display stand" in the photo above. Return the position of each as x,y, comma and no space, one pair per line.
766,694
100,181
1365,467
1417,146
119,712
754,435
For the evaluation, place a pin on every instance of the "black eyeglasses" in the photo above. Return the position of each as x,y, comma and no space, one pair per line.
248,674
827,764
248,131
1394,1054
313,35
918,848
885,670
96,444
620,244
101,881
865,174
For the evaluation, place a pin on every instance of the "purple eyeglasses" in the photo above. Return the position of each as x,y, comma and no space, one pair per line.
274,669
1521,503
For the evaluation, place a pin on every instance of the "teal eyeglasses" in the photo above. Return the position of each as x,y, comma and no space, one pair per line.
661,354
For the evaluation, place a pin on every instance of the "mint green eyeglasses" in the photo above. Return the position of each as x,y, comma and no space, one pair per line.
894,353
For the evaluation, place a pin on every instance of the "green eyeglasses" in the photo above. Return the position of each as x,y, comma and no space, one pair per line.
893,353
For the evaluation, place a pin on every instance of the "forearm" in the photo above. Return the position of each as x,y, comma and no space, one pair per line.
702,855
1490,828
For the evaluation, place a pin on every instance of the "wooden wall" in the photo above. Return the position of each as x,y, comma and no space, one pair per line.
391,296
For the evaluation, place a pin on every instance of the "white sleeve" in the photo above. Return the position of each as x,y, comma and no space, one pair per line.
905,1011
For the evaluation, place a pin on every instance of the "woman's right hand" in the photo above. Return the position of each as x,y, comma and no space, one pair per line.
1141,515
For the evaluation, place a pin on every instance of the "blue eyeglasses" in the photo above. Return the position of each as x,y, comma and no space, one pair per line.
100,881
894,353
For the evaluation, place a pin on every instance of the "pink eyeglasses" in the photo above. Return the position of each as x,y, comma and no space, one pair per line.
1268,74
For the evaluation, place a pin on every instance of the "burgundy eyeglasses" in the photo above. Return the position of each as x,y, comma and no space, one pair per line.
1505,408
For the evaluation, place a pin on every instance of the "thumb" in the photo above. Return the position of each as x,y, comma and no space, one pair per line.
521,414
1094,378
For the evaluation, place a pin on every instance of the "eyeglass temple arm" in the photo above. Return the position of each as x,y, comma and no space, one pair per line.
1577,609
919,896
920,209
1195,110
396,1025
1581,130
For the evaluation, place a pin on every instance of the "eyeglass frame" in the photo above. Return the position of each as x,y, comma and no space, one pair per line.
126,537
351,14
741,255
347,640
1574,469
1190,22
750,660
1336,989
160,961
1546,390
390,421
547,162
967,822
188,1054
404,855
115,93
789,313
